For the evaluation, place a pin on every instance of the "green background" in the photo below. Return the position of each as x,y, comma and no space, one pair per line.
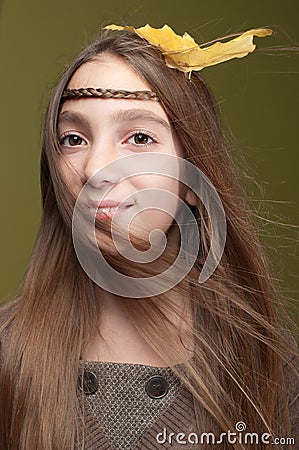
258,96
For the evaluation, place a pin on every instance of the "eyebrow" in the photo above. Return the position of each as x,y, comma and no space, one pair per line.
130,115
68,117
122,115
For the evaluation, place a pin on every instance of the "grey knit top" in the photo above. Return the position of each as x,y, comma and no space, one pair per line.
134,406
139,407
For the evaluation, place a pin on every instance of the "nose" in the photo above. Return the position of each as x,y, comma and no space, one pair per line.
97,170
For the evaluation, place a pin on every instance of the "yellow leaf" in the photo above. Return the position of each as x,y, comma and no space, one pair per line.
184,54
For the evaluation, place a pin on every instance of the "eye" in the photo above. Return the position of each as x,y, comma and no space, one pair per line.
141,138
72,140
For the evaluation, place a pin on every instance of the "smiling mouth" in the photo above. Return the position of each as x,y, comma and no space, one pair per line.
110,211
108,206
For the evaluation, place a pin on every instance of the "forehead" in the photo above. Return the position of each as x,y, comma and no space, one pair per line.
111,72
108,71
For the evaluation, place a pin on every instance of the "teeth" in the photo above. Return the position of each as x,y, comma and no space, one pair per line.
108,209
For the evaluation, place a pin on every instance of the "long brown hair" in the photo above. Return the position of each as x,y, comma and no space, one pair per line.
237,369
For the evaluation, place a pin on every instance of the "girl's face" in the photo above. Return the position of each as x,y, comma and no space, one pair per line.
94,132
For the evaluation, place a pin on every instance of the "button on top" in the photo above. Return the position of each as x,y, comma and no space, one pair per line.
156,387
90,383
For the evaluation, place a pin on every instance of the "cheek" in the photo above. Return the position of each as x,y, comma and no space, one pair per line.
164,204
70,174
156,182
65,172
68,169
166,195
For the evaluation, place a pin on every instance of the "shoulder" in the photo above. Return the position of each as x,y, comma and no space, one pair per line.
7,313
291,375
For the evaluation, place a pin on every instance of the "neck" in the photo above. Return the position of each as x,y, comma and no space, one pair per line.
119,340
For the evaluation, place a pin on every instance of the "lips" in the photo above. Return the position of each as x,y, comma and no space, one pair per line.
108,204
107,208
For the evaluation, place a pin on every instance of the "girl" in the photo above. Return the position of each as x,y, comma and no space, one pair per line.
90,362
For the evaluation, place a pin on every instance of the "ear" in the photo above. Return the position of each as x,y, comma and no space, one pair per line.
191,198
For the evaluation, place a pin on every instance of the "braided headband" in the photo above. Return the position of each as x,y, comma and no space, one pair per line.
69,94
